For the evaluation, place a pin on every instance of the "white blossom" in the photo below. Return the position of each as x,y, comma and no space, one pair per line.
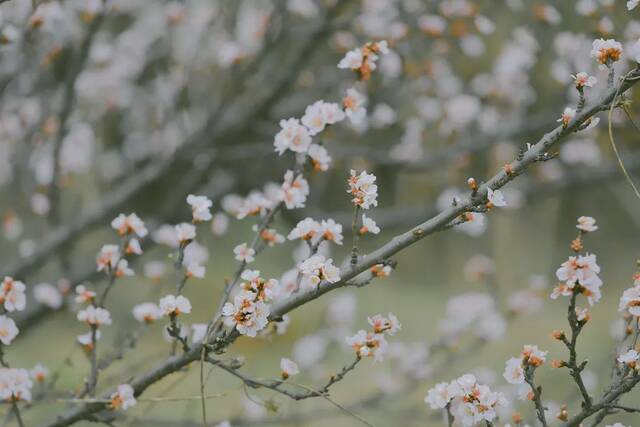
123,398
175,305
125,224
288,368
244,253
200,207
95,316
8,330
12,294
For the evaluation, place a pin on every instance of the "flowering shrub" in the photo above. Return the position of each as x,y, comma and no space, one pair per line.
171,109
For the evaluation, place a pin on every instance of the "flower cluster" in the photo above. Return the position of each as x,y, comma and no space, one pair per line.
313,231
363,60
373,343
315,269
363,189
515,368
200,207
294,190
12,295
129,224
263,289
579,274
467,400
15,384
248,314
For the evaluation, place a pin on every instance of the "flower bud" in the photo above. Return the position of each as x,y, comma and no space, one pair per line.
473,184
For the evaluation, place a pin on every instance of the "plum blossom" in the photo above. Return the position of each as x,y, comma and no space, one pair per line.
316,269
84,295
472,402
607,51
8,330
256,203
123,398
582,80
363,59
515,367
368,344
122,268
264,290
582,270
331,231
369,226
363,189
587,224
133,247
496,198
15,384
147,312
567,115
288,368
126,224
292,136
381,324
352,60
306,229
247,315
185,233
320,114
294,190
514,371
12,294
381,270
200,207
86,340
319,157
174,305
94,316
630,301
244,253
354,105
108,257
195,270
439,396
